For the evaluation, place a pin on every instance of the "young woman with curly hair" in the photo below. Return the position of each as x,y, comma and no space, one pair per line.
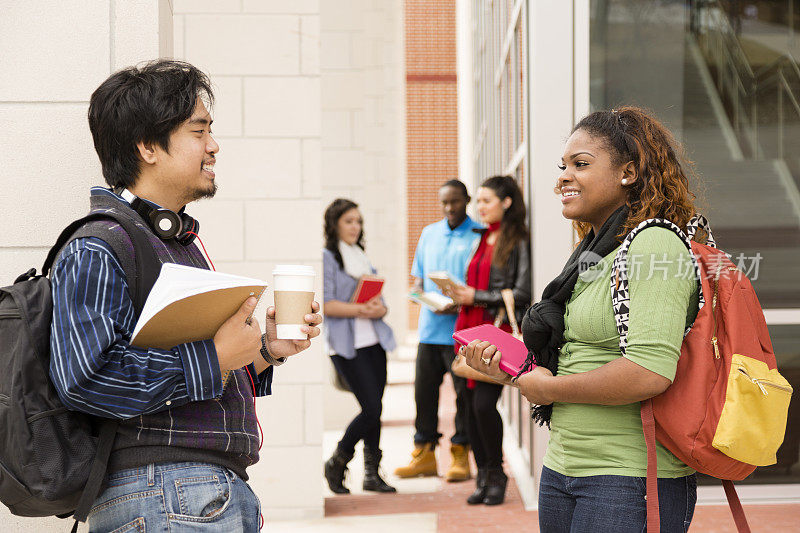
619,168
500,261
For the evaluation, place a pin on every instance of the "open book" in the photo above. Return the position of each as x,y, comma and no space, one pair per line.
432,300
189,304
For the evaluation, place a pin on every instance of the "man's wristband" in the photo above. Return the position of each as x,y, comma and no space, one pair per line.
267,356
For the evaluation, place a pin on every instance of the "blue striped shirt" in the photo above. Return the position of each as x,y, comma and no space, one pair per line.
94,368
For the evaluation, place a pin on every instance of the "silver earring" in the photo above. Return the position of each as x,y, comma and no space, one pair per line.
624,181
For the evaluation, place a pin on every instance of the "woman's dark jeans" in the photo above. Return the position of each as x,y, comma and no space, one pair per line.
366,376
612,503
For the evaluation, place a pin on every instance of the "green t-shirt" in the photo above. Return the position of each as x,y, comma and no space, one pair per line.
587,439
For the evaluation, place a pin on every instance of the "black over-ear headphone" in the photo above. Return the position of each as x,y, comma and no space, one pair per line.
165,223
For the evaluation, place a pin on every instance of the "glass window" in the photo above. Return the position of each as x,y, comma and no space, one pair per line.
501,57
501,132
724,77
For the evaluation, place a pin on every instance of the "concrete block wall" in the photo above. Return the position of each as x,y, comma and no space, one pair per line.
263,60
363,131
298,125
54,54
363,147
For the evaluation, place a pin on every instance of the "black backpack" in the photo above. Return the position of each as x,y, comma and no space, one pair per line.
53,460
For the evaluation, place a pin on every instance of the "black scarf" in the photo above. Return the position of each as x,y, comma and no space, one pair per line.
543,325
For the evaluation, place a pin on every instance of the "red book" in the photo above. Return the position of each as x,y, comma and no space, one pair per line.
513,351
368,288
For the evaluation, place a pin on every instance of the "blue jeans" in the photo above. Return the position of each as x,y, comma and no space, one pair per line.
175,497
612,503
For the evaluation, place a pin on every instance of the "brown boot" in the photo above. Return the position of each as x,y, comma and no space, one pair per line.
459,468
423,462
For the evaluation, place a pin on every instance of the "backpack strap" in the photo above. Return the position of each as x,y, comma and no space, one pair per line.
141,271
736,507
653,518
620,297
649,427
108,433
620,287
698,221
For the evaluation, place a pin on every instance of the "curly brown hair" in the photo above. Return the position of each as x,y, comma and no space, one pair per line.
662,188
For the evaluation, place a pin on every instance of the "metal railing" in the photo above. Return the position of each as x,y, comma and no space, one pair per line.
782,76
746,93
734,76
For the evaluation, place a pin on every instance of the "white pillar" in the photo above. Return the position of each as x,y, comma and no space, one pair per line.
558,93
466,93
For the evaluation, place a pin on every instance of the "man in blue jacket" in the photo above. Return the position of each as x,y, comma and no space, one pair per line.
443,246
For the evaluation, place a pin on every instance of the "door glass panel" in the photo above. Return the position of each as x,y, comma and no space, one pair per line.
724,78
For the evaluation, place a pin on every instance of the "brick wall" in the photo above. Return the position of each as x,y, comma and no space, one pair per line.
431,113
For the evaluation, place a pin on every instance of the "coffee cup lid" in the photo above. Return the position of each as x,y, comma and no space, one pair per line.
293,270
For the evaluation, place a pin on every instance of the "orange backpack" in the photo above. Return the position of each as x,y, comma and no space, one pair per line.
725,412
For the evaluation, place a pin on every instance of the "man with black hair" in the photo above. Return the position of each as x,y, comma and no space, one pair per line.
445,245
185,436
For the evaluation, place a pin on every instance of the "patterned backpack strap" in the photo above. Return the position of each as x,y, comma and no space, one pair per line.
698,221
620,292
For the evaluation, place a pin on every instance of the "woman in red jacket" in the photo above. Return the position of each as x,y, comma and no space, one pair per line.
501,261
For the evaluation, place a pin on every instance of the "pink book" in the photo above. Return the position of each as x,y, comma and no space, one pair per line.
513,351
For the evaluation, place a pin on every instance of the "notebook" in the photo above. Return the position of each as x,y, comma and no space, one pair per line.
189,304
432,300
444,280
513,352
368,288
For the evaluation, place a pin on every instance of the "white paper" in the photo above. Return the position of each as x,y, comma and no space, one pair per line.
176,282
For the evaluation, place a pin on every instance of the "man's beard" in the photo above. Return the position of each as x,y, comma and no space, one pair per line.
199,194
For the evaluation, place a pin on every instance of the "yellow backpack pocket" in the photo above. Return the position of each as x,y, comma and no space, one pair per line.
753,420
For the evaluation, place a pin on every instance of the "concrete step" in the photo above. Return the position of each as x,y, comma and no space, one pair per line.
398,405
400,371
406,351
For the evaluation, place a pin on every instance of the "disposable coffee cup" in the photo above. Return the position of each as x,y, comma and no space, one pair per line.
294,292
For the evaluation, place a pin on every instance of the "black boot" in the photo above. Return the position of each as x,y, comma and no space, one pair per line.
496,481
480,488
335,468
372,478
